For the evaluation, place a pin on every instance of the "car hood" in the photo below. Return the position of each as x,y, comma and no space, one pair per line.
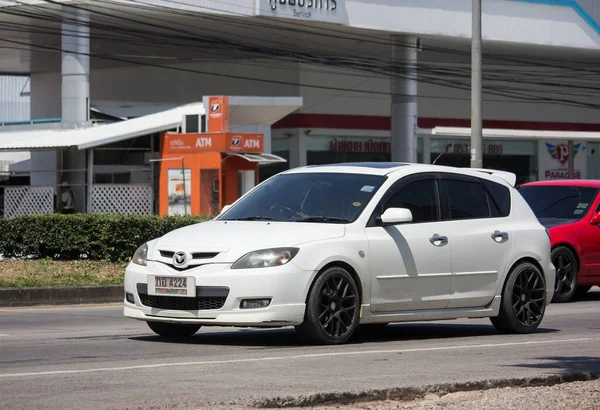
554,222
233,239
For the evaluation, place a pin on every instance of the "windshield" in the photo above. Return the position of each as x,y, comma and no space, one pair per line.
560,202
308,197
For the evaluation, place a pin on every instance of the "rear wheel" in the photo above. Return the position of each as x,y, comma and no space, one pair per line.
332,310
173,330
523,300
566,274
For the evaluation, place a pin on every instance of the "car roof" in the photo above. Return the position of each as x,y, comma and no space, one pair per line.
566,182
387,168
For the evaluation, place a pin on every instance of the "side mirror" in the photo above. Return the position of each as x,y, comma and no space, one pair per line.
225,208
595,219
394,216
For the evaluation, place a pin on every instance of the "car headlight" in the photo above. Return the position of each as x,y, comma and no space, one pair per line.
140,256
265,258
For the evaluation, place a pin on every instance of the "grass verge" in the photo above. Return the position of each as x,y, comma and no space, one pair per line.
47,272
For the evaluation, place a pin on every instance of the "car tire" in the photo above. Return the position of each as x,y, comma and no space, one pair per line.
332,308
565,285
173,330
523,300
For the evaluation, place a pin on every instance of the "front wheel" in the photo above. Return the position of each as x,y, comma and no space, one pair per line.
173,330
332,310
523,300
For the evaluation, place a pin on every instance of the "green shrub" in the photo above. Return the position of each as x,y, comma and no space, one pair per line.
84,236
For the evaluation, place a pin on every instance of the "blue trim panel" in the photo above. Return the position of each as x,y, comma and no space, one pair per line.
574,5
41,120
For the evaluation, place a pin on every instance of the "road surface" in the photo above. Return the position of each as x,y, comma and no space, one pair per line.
93,358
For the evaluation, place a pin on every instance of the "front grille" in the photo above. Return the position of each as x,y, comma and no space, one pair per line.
195,255
207,298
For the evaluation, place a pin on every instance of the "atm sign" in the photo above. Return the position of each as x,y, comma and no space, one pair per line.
246,143
214,142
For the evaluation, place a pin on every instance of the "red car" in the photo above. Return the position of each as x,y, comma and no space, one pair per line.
570,210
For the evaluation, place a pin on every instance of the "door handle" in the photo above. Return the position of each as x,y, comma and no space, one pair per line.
499,235
438,240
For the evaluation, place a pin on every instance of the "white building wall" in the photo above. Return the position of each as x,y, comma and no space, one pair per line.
186,83
337,91
503,20
13,105
434,101
324,90
45,95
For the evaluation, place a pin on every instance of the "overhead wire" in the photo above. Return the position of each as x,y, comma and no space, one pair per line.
451,77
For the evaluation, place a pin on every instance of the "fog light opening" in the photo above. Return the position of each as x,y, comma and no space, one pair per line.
129,297
254,303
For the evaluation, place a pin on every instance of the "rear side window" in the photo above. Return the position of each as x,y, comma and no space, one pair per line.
467,199
499,198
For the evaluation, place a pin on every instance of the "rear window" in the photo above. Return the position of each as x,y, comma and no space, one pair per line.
499,198
560,202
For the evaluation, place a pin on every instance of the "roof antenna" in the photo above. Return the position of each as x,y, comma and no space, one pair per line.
438,157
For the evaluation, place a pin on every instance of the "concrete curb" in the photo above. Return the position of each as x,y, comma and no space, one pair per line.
60,295
412,393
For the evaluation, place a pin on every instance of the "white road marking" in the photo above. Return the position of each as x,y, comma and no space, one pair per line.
295,357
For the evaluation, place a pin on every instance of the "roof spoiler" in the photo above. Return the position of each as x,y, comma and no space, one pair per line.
509,177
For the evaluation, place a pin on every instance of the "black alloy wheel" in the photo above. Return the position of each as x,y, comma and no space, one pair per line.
332,311
565,284
523,300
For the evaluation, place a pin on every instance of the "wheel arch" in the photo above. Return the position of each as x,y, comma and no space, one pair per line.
572,249
339,264
522,259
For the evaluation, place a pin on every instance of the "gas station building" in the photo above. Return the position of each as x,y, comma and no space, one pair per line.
123,92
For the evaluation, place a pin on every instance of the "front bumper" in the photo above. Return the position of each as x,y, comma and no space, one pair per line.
286,286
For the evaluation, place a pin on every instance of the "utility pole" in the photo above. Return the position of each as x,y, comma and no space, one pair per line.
476,70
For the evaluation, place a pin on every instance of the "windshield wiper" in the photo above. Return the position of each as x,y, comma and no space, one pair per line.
322,219
253,218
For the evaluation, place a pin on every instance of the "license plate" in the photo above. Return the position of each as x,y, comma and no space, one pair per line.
172,286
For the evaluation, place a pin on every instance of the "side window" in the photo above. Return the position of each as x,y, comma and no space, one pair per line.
467,199
421,197
499,198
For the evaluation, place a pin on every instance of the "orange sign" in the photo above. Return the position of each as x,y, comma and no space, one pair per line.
216,142
218,114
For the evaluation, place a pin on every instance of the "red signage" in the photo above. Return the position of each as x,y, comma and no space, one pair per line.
218,114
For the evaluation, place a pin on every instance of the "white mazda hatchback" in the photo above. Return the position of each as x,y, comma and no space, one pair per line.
328,248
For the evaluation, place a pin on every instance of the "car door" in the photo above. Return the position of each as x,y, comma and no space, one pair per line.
481,232
589,243
410,262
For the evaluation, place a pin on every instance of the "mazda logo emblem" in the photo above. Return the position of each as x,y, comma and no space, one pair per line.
180,259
